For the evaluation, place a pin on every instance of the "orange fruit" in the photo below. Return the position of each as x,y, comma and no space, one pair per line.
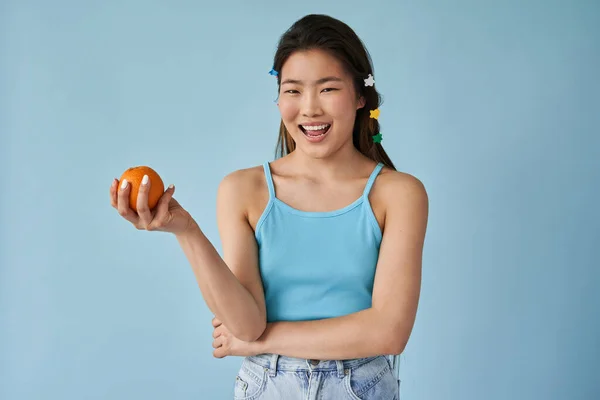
134,176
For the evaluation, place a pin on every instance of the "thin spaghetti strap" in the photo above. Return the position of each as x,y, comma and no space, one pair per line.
372,179
269,179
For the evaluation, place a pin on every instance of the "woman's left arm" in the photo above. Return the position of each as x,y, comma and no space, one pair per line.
385,327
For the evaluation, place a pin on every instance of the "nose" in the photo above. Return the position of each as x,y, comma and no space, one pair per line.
311,106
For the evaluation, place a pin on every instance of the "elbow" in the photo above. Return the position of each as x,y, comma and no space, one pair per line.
252,335
396,341
396,336
250,329
395,346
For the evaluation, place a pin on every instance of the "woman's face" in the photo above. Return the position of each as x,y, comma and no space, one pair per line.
317,102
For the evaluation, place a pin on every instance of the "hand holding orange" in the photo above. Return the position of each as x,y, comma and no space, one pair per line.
134,176
140,197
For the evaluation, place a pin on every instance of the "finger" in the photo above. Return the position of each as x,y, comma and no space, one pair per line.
218,353
216,322
217,333
113,192
161,216
217,343
142,203
123,203
162,207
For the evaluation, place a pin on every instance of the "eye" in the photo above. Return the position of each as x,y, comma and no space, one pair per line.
329,90
291,91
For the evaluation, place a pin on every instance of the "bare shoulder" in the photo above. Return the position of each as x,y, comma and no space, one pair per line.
244,190
397,194
242,178
396,186
241,182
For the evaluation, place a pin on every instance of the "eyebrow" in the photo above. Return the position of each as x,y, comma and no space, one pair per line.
318,82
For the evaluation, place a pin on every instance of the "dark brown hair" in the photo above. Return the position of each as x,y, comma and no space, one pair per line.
325,33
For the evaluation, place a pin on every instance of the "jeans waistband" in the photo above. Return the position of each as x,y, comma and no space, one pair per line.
275,362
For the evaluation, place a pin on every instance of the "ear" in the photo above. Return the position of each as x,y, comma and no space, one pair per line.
361,102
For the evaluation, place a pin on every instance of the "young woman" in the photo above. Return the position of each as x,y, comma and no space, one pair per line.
322,248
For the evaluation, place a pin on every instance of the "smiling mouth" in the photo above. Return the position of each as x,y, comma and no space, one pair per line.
315,131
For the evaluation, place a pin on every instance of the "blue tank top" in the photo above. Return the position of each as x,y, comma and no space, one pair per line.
317,265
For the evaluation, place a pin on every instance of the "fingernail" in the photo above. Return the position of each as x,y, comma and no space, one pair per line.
145,180
114,182
171,186
124,184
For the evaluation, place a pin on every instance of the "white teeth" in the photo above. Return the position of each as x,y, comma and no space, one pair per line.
315,127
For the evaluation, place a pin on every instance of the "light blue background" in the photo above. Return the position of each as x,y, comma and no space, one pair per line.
493,105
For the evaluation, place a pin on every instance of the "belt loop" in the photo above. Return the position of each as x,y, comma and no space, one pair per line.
340,368
273,365
310,367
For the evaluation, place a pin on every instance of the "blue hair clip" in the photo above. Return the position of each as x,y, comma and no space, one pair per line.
273,72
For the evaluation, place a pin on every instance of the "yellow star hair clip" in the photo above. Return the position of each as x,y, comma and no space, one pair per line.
374,113
369,81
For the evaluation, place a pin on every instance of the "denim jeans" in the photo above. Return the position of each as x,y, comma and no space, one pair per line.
275,377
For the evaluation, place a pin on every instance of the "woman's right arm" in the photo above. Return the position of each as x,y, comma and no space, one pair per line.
231,286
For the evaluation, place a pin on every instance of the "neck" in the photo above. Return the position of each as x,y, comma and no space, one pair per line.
345,162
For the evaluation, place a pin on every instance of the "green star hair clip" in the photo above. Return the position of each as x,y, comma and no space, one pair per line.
377,138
